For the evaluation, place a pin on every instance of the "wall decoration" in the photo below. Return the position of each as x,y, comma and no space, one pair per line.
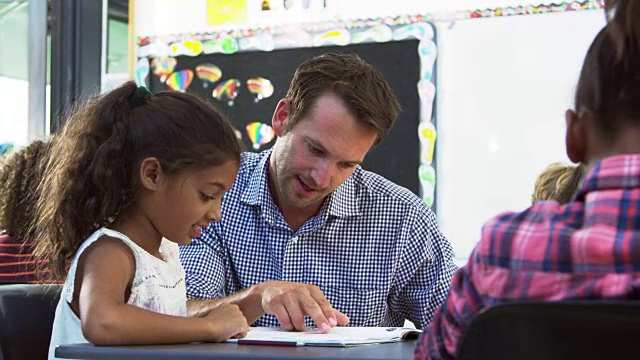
260,87
264,61
427,176
188,48
142,71
228,91
380,33
163,66
260,11
281,35
259,134
208,74
220,12
5,148
180,80
224,45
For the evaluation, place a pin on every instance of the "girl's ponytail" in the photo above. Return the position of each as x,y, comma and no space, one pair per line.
623,17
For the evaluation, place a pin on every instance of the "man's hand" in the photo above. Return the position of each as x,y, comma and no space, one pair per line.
290,302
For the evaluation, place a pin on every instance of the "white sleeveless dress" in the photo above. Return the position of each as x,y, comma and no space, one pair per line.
157,286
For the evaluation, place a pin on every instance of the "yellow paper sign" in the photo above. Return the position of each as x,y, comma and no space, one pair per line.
220,12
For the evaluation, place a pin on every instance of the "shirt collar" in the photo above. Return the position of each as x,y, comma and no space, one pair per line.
343,202
615,172
257,192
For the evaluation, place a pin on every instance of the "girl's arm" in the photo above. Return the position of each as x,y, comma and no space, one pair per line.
104,277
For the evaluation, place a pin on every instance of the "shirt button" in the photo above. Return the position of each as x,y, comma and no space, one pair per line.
294,239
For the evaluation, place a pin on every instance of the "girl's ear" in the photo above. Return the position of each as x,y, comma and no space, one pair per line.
280,117
151,174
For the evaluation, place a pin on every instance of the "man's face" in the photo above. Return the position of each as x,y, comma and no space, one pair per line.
320,152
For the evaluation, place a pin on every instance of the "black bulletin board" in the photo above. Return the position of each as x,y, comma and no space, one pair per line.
396,158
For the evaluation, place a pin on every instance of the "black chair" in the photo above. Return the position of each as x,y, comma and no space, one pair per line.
26,320
586,329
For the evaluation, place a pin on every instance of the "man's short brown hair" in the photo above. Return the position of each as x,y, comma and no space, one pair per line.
362,89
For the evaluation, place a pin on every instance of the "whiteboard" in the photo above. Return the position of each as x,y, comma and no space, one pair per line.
503,87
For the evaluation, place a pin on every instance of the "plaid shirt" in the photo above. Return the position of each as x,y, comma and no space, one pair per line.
374,249
589,248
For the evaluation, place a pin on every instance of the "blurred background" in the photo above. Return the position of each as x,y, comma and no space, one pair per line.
484,83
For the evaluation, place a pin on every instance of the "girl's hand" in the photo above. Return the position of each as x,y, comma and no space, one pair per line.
227,321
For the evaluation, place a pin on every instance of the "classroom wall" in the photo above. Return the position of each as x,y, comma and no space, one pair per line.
162,17
503,86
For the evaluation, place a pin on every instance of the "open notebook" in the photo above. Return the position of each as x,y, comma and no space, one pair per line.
339,336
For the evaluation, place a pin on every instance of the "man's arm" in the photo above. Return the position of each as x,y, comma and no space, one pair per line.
288,301
426,271
204,264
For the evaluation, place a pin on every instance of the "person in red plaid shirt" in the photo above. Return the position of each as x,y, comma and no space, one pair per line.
588,248
20,174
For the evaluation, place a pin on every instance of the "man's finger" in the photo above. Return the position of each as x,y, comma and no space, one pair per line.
280,312
296,315
311,308
341,318
325,307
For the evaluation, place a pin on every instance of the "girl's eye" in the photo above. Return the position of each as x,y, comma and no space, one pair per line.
206,197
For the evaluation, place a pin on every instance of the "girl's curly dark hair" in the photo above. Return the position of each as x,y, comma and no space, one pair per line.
92,174
20,173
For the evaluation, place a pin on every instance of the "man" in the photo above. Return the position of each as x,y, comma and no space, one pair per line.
306,213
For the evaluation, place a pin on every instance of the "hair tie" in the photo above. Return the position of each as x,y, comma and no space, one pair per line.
140,96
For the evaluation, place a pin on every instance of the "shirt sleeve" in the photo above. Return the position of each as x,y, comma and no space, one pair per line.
204,265
426,269
441,338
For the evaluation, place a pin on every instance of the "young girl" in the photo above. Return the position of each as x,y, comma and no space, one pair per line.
131,176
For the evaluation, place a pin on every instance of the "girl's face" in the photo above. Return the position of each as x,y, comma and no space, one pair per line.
187,202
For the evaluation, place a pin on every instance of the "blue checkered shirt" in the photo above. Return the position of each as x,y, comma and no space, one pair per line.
374,249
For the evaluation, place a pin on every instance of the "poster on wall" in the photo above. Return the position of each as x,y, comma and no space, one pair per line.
245,74
222,12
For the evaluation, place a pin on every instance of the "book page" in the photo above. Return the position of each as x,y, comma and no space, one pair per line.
339,336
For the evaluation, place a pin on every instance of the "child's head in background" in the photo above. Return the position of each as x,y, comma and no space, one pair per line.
559,182
162,161
20,173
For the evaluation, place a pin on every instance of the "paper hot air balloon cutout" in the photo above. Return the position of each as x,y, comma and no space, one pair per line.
260,87
142,71
180,80
208,74
227,91
259,134
163,66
